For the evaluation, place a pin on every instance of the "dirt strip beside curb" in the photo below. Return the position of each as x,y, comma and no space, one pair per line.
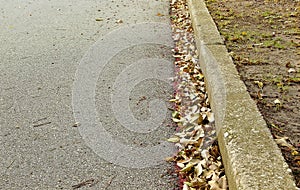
251,157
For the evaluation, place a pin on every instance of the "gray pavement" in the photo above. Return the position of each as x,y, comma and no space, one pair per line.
59,66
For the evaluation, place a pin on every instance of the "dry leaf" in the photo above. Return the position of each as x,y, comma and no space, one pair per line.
119,21
259,84
282,142
185,187
210,117
174,139
198,170
176,120
169,159
188,167
181,165
291,70
277,101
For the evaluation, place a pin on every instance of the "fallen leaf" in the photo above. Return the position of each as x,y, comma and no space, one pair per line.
282,142
175,114
188,167
223,182
176,120
259,84
181,165
119,21
198,170
294,152
185,187
277,101
174,139
210,117
214,185
76,124
187,141
169,159
291,70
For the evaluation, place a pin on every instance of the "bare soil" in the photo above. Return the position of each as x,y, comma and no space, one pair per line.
263,38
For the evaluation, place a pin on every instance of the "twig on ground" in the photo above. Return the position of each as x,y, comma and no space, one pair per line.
109,182
41,124
90,183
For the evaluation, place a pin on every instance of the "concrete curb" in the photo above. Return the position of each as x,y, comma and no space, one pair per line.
251,158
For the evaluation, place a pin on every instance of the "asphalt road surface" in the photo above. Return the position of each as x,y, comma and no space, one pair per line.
84,87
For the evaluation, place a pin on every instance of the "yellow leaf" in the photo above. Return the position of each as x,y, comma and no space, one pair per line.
188,167
294,152
175,114
259,84
174,139
244,33
188,183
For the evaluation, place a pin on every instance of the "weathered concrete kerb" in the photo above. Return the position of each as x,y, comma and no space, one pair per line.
251,157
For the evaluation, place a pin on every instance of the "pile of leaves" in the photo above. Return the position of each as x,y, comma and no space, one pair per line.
198,160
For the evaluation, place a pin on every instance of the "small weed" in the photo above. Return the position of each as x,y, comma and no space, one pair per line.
294,79
274,43
277,79
278,45
270,15
266,35
224,23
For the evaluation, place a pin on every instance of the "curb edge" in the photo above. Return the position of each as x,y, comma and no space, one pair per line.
251,158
